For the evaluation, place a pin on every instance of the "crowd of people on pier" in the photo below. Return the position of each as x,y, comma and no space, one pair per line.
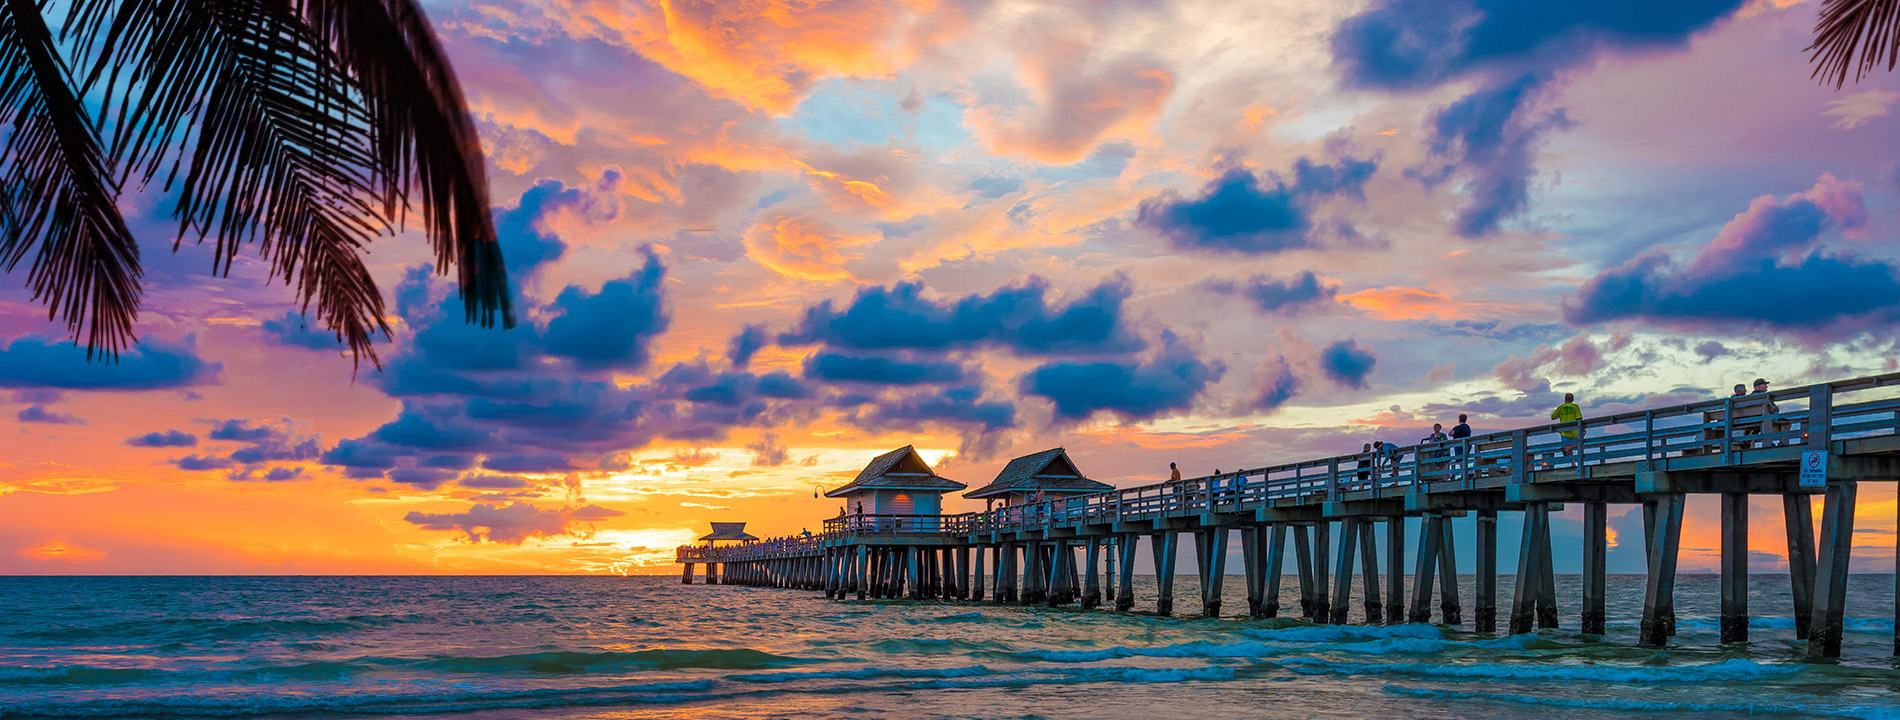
1440,449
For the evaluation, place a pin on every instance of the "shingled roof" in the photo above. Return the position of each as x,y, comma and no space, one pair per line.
900,469
729,531
1050,471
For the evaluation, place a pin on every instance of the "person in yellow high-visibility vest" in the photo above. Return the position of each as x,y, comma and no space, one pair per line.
1567,413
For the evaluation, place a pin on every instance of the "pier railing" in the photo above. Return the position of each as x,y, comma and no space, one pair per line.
1714,433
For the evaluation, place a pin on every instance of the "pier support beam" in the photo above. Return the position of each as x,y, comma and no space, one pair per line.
1659,596
1006,573
976,573
1484,614
1649,538
1125,595
1528,587
1450,611
1164,552
1322,567
1369,572
1275,563
1035,576
1303,559
1830,574
1250,567
1342,576
1734,567
1425,570
1595,547
1395,569
1061,573
1091,580
913,556
1799,513
1210,552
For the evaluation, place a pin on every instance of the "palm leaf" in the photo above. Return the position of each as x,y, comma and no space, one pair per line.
1854,34
304,127
280,148
61,192
425,140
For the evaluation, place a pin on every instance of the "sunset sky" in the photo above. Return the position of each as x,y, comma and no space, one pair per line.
758,242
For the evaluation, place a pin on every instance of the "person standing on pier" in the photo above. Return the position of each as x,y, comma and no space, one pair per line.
1364,464
1568,412
1174,473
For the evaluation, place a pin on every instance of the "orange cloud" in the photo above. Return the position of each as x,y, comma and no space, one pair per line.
764,54
1410,303
1079,98
802,247
62,552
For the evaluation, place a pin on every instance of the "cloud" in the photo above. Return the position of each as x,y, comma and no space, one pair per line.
493,482
40,414
1134,391
203,462
164,438
514,523
1281,385
836,368
1347,363
1240,212
1709,350
240,430
1275,296
421,478
280,473
957,406
32,361
293,331
747,343
1860,108
1417,44
768,451
429,427
610,329
1078,99
1575,357
1766,268
1488,142
1018,317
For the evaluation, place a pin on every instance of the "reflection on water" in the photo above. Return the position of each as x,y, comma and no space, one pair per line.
570,647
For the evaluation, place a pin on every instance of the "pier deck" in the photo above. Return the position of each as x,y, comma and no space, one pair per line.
1824,439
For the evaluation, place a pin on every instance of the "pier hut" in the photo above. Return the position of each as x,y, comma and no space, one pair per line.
1031,487
897,491
731,532
1047,475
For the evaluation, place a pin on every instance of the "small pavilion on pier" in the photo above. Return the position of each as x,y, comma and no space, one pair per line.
898,482
1047,475
727,532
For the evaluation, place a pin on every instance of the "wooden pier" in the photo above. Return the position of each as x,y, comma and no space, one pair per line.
1822,439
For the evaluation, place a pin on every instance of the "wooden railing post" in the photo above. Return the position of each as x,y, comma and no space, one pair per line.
1332,481
1728,430
1520,455
1649,440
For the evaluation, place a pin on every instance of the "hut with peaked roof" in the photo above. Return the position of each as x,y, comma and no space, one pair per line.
727,532
1046,475
898,482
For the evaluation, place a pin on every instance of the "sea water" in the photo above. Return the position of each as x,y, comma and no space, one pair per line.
599,647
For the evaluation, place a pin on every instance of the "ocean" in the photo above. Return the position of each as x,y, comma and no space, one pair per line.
649,647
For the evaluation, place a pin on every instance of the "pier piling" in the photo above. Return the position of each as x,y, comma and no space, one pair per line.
1484,612
1595,546
1734,567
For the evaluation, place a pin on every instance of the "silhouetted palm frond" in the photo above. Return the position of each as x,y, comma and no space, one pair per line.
304,127
61,193
1854,34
